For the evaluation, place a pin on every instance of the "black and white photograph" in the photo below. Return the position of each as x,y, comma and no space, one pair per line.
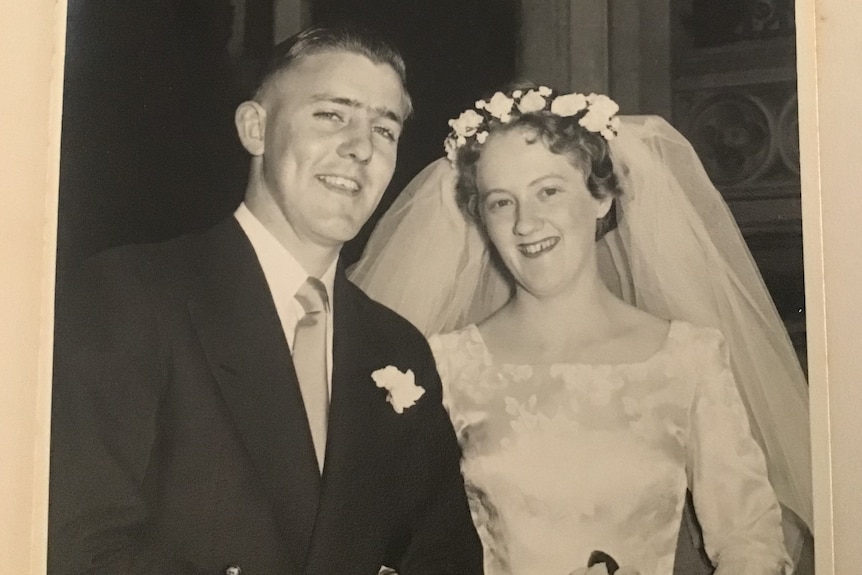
509,287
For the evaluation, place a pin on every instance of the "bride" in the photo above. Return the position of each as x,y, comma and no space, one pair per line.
604,339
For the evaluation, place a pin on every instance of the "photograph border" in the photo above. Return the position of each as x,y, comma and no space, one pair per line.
32,37
806,64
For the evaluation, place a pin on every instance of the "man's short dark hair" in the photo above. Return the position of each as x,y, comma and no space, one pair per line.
341,38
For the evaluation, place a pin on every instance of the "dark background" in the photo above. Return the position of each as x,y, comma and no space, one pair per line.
148,144
149,151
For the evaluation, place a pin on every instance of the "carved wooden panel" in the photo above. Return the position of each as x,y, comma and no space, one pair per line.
734,97
712,23
746,136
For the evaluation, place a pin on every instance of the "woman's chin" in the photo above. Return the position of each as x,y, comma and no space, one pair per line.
544,288
540,276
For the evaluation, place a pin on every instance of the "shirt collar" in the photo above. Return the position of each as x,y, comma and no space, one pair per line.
283,272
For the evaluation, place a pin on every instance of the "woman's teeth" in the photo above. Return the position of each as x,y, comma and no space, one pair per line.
538,247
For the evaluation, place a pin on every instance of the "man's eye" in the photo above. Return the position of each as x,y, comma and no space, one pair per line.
386,133
331,116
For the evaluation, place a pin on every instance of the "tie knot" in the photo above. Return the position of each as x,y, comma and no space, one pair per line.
311,295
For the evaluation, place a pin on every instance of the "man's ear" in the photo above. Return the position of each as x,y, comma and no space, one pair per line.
250,120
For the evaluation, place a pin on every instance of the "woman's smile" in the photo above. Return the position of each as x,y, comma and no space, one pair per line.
536,249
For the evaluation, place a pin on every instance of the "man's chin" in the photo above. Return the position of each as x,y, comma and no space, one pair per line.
339,233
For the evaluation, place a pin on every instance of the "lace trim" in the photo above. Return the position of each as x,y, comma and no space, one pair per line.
675,333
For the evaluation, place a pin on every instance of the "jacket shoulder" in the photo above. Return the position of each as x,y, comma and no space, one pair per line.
145,263
170,263
385,319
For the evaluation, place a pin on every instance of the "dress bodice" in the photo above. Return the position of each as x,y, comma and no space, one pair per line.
563,459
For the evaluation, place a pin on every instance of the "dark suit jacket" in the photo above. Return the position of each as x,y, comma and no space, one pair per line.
180,443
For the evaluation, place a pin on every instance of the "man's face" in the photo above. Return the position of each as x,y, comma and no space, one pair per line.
331,136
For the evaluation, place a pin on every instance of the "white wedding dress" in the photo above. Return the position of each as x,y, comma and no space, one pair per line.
561,460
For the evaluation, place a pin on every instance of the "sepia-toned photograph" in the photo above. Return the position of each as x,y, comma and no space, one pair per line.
512,287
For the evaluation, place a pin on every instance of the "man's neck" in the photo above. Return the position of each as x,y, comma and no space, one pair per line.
314,259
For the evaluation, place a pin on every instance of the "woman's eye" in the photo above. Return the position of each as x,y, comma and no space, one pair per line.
496,204
550,191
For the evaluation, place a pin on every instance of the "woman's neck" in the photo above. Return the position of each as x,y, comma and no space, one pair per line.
589,299
533,328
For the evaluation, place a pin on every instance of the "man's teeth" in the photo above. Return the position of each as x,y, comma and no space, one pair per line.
538,246
339,182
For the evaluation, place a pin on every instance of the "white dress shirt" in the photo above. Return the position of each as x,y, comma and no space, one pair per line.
284,276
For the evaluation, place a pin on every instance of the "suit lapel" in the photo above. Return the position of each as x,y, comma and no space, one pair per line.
238,326
353,361
353,504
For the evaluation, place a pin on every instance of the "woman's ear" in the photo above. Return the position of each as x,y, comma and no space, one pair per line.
603,206
606,219
250,120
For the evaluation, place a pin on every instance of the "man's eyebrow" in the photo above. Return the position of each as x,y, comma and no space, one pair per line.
382,111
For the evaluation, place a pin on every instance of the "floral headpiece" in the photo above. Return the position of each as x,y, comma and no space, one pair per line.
596,111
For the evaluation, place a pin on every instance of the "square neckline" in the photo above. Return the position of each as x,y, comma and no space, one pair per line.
489,359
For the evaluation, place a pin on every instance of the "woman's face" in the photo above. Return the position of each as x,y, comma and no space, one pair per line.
537,211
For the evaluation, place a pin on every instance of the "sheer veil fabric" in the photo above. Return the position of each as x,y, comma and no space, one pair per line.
677,253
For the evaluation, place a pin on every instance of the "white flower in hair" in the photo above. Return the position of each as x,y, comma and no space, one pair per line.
601,104
595,113
451,149
533,101
466,124
568,104
611,131
500,107
598,116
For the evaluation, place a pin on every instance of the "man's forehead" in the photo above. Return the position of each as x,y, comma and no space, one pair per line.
340,75
323,65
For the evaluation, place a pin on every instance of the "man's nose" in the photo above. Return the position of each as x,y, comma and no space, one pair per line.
357,143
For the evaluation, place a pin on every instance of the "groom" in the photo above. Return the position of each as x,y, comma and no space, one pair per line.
228,402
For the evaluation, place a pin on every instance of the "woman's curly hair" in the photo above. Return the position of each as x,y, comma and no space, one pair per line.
588,151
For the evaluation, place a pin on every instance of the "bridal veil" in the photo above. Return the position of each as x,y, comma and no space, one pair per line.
677,253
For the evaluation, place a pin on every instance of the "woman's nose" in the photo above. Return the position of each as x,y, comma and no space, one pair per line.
527,220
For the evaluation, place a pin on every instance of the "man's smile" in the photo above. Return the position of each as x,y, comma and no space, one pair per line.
340,183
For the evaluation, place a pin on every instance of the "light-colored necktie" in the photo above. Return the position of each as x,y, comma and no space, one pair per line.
309,360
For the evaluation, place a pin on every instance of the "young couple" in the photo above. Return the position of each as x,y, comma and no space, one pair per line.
229,402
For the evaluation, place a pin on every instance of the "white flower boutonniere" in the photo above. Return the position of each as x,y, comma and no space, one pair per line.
403,391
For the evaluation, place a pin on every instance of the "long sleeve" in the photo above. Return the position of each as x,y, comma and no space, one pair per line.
445,349
443,539
734,501
107,391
